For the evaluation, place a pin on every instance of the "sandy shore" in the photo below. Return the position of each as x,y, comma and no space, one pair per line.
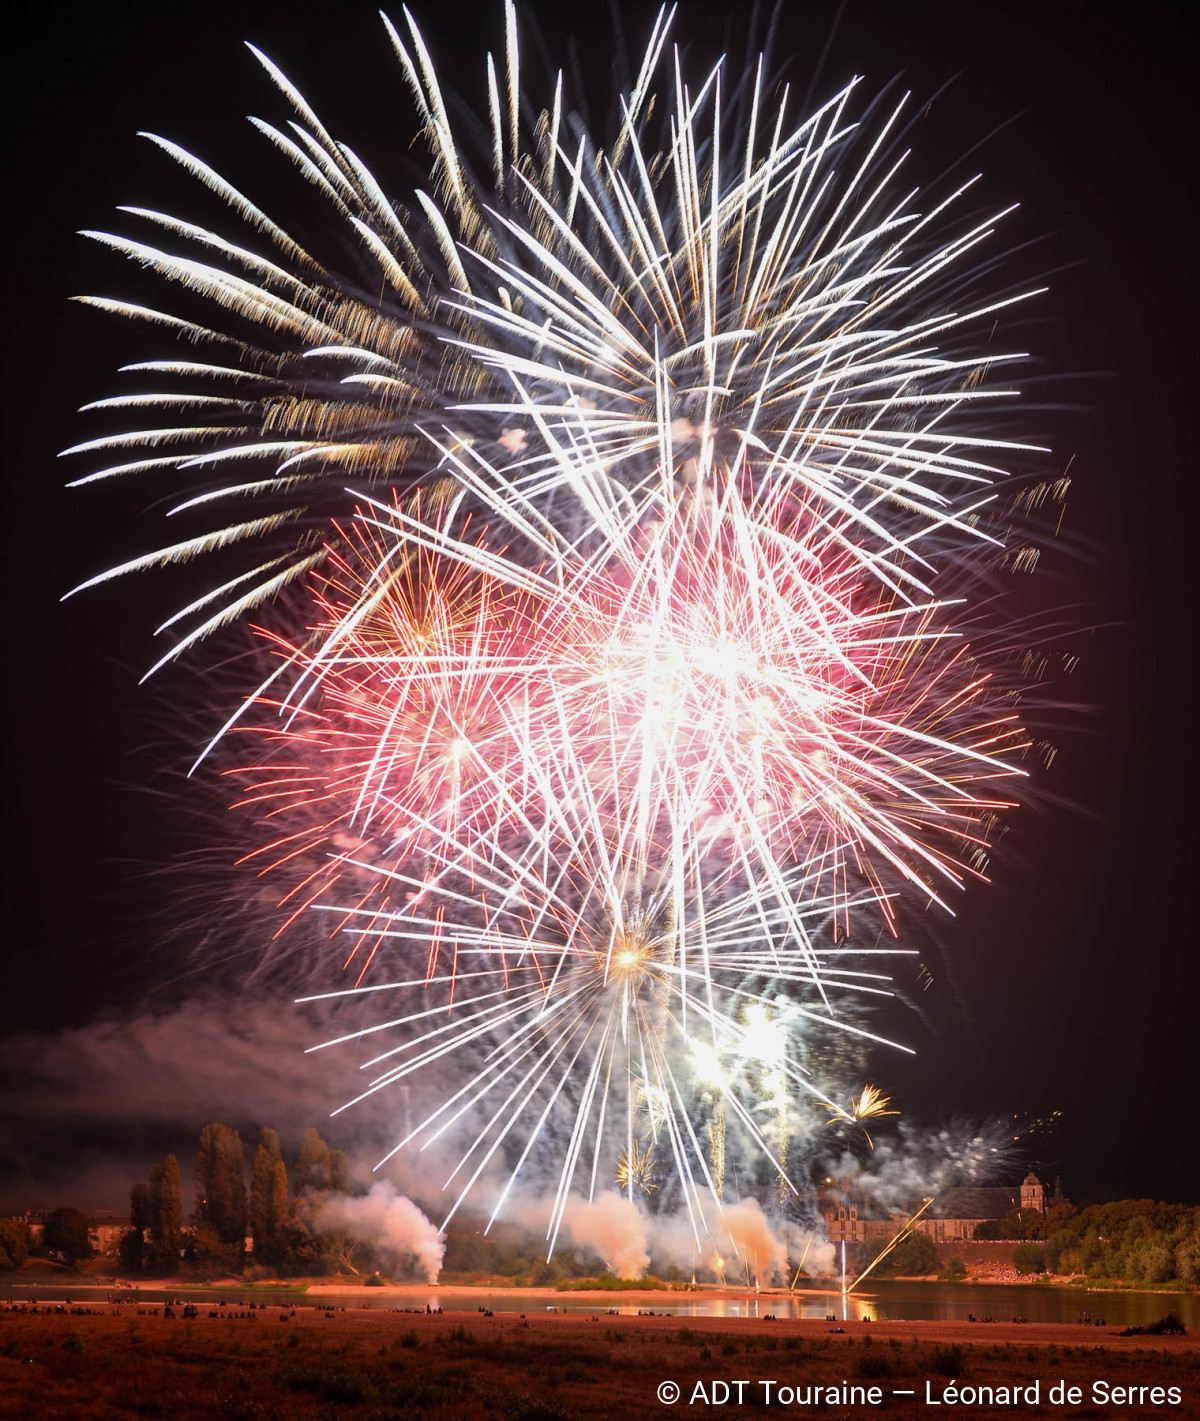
469,1295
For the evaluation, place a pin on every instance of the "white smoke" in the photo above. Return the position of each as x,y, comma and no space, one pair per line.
392,1224
611,1226
919,1161
739,1242
760,1254
818,1254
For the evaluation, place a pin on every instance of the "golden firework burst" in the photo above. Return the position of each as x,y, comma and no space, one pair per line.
635,1170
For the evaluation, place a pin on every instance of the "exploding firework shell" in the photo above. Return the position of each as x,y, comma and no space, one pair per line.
630,685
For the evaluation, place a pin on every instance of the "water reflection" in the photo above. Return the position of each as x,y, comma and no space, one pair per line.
881,1302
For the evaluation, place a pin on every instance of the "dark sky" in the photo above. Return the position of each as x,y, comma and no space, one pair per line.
1069,983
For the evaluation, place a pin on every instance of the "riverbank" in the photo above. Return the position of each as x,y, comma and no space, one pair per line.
987,1264
353,1284
106,1362
878,1297
1076,1281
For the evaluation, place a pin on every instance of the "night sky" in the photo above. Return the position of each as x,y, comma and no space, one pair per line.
1068,983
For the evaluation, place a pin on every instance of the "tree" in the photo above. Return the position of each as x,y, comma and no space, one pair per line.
313,1172
139,1207
165,1214
914,1256
132,1250
268,1199
212,1256
306,1247
339,1173
1027,1223
221,1184
1029,1258
15,1242
1151,1262
1187,1260
66,1233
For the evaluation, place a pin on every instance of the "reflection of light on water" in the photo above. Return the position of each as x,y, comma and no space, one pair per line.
890,1302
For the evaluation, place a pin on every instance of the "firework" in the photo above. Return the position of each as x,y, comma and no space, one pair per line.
894,1242
627,495
872,1104
594,316
636,1170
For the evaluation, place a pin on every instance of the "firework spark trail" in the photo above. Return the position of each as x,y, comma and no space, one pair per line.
553,1010
697,711
769,320
587,989
894,1242
630,523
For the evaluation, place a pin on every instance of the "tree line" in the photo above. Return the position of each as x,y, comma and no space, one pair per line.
1129,1240
278,1216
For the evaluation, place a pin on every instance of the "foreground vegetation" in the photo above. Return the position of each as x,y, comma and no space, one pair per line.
316,1363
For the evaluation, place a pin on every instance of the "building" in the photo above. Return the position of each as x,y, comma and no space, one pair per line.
850,1220
954,1215
845,1221
104,1229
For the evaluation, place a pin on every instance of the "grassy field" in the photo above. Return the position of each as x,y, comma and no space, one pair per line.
263,1364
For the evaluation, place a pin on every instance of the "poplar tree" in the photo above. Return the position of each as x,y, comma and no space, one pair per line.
339,1173
320,1169
133,1242
221,1184
313,1173
164,1213
268,1198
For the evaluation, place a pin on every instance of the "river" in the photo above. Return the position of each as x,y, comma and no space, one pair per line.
880,1301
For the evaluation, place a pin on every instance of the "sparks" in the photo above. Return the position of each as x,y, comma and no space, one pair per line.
630,523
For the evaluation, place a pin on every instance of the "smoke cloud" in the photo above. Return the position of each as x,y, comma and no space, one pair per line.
741,1242
759,1252
919,1161
611,1226
89,1109
396,1229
